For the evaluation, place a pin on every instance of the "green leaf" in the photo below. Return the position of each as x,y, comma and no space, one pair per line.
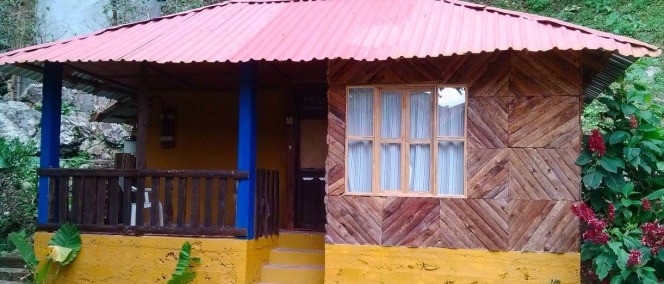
593,180
616,279
42,273
611,164
622,259
609,102
182,273
584,159
603,266
69,237
618,137
655,195
628,109
24,248
628,189
651,146
631,153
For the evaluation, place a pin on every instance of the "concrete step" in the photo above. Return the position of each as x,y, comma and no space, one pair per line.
11,261
13,274
286,256
292,274
301,240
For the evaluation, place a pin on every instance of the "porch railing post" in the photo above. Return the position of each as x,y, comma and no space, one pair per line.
50,133
246,152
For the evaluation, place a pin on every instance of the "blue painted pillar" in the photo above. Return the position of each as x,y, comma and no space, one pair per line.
50,132
246,148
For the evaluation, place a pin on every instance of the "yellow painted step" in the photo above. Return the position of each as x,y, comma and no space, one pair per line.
292,274
297,257
302,240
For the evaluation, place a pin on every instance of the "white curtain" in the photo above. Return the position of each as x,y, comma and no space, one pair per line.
360,153
451,120
390,167
391,115
390,153
450,168
360,112
420,154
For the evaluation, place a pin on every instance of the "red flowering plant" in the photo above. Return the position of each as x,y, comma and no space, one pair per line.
622,166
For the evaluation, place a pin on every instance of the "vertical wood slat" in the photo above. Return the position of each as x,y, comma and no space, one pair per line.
207,218
126,196
76,202
100,201
258,215
154,201
89,197
275,184
140,200
113,200
52,183
221,202
168,201
182,198
63,198
195,202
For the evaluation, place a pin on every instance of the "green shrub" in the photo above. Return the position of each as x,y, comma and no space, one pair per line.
622,167
18,189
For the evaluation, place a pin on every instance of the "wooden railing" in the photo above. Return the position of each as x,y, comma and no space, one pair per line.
181,202
267,203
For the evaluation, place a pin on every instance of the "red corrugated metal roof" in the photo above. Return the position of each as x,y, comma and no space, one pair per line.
238,31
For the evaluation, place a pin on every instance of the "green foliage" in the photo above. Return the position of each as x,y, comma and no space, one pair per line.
24,247
628,172
67,237
18,189
63,246
183,273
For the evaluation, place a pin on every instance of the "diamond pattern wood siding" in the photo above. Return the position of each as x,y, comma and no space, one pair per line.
548,122
411,222
523,138
487,173
474,223
544,174
543,225
354,219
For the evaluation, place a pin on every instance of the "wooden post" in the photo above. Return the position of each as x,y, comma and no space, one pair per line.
142,118
246,154
50,134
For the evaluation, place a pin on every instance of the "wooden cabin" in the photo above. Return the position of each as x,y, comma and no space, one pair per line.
375,141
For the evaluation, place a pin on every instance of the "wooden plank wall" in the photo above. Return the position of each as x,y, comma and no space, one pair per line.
523,138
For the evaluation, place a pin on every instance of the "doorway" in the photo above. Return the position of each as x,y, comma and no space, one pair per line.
309,204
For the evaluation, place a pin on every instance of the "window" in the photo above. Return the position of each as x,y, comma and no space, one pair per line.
407,140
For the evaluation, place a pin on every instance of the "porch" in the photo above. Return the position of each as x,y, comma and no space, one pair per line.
225,165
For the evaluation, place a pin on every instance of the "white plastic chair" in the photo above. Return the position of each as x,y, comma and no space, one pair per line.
146,205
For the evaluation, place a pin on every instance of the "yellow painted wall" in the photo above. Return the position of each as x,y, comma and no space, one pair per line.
152,259
206,127
376,264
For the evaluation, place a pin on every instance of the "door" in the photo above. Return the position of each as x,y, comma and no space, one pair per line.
312,152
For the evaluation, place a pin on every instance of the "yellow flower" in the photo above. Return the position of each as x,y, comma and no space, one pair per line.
58,253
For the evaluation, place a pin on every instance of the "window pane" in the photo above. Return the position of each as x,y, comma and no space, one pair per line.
420,115
390,166
420,167
391,115
360,111
359,166
450,168
451,112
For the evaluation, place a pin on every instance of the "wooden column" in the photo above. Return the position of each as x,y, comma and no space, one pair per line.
142,118
50,133
246,153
